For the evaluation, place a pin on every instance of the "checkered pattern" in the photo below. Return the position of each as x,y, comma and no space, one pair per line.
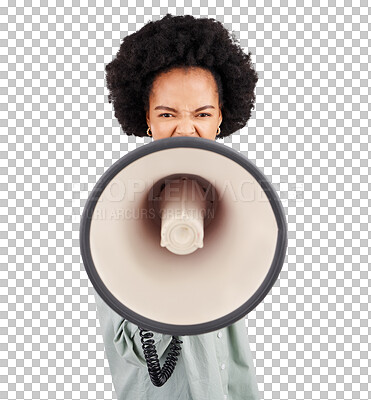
309,135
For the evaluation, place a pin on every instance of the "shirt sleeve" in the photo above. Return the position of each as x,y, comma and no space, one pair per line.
126,338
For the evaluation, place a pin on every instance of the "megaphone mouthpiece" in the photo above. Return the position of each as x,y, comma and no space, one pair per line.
182,217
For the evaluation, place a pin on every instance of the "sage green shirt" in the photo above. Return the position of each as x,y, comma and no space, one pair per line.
213,366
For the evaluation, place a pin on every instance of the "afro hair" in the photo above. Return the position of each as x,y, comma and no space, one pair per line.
180,41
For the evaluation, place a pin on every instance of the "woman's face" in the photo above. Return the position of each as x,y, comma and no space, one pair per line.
184,103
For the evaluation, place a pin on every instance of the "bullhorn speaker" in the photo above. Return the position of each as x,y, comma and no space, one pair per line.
183,236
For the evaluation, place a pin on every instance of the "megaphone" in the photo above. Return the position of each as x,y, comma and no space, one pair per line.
183,236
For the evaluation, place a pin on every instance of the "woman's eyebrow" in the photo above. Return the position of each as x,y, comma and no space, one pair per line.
173,110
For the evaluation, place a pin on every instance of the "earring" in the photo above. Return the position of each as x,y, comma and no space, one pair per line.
148,130
218,131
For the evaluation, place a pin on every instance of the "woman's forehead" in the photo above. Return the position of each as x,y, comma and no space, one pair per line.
195,80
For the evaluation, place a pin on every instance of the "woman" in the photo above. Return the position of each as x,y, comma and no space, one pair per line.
181,76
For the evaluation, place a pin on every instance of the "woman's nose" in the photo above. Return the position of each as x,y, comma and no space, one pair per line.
185,128
186,134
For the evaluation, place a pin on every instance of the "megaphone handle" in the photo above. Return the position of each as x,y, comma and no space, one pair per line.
159,376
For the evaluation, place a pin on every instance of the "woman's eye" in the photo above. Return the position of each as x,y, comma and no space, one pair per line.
166,115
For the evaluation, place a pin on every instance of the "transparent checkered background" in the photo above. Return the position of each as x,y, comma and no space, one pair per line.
309,135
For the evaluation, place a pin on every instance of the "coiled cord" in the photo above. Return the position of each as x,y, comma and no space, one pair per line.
159,376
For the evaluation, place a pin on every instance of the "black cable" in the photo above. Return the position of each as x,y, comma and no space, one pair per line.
159,376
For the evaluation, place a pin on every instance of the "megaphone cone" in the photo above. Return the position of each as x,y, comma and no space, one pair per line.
183,236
